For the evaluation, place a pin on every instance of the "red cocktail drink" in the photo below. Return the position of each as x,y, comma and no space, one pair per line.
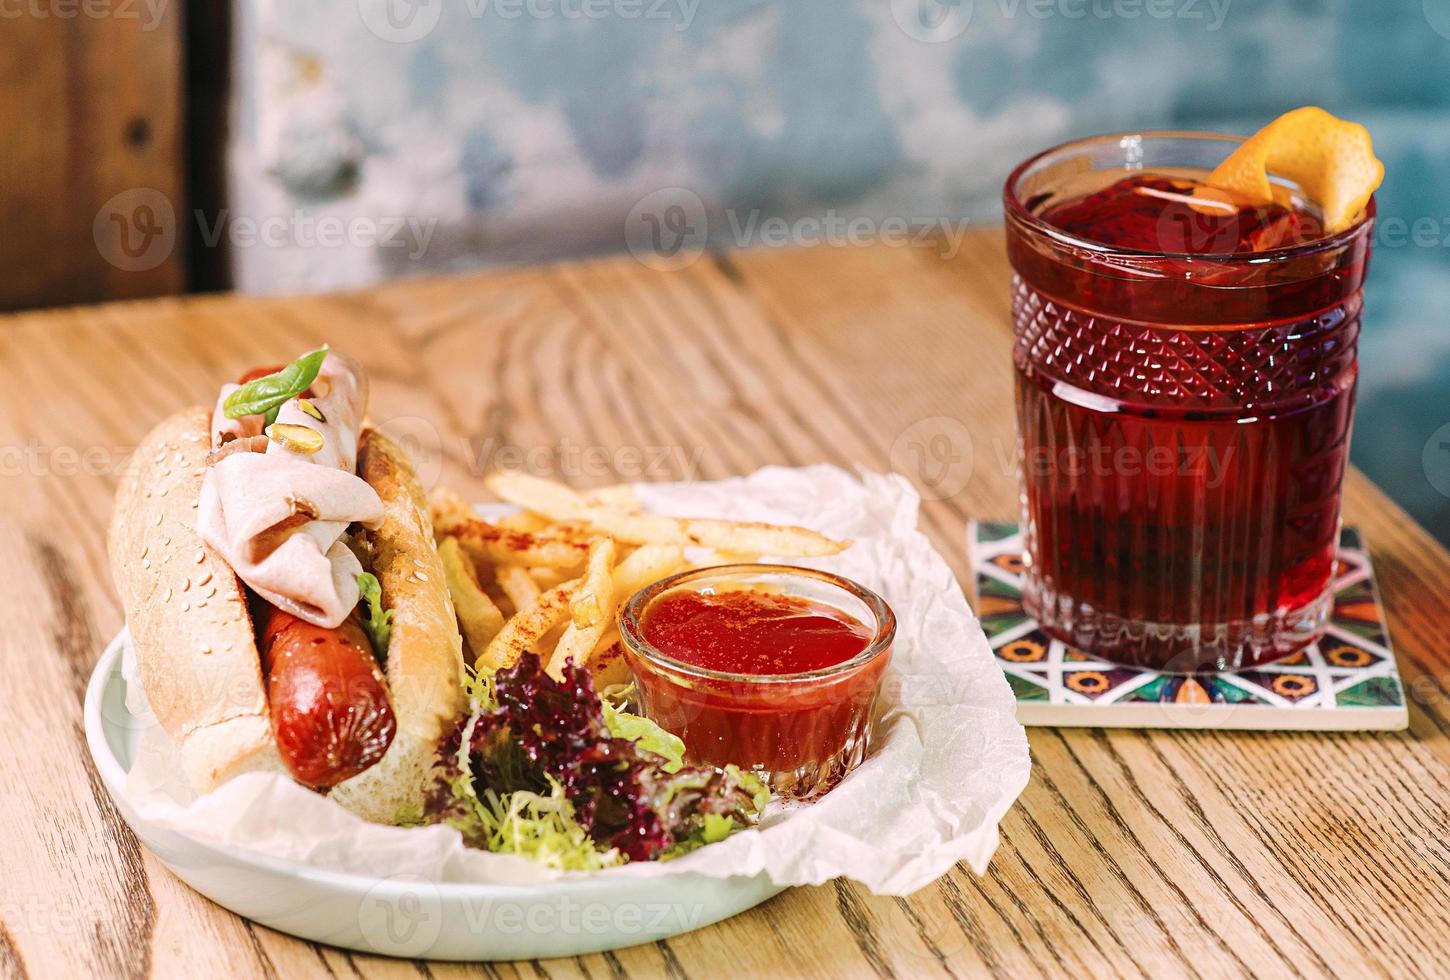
1185,387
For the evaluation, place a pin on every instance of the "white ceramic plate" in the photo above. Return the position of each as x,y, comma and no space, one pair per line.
400,916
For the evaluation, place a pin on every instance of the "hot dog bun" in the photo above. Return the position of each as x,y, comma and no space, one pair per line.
187,611
425,654
196,648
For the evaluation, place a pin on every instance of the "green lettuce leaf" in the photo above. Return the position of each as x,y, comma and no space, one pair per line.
646,734
537,826
379,621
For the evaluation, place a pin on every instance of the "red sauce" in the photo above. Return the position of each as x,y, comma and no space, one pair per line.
807,731
749,631
258,372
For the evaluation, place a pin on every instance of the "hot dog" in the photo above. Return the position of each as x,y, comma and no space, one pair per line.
328,700
239,548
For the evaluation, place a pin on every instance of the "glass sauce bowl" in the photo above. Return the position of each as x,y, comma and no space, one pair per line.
800,731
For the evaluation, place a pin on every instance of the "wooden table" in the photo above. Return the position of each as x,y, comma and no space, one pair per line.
1130,853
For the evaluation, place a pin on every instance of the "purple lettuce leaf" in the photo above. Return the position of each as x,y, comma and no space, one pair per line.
537,733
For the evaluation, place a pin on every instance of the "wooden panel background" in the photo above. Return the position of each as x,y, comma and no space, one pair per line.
91,108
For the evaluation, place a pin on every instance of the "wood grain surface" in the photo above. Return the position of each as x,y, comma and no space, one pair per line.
1131,853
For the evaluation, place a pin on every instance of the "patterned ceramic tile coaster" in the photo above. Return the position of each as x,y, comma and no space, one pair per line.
1348,681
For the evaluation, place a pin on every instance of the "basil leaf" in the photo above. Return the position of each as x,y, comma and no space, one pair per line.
379,622
261,395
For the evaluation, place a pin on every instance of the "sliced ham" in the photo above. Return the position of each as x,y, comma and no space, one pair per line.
279,516
223,429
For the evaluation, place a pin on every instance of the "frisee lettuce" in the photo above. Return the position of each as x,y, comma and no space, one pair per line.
540,827
646,734
478,688
548,770
712,829
410,815
524,823
378,624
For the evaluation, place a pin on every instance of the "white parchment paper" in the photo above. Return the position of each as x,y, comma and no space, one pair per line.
947,760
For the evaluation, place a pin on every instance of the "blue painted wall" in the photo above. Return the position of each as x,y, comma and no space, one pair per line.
506,130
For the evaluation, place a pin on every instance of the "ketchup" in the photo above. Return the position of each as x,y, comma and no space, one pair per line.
749,631
757,711
259,372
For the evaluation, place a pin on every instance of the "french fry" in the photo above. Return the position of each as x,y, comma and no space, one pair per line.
528,627
758,538
477,614
608,665
728,558
553,547
563,504
610,637
620,496
547,578
550,641
518,585
592,609
554,575
448,508
647,563
524,521
489,581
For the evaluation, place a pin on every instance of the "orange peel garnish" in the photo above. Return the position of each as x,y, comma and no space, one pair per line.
1331,159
